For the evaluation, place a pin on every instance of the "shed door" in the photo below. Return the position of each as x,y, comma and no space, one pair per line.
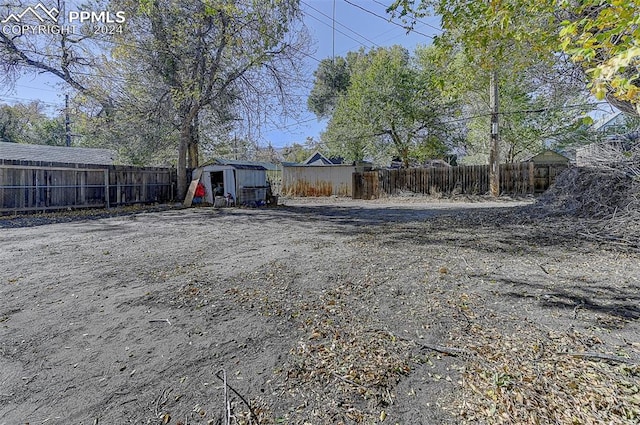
230,183
217,178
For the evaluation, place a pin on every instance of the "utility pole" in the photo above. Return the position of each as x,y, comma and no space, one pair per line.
67,121
235,146
494,153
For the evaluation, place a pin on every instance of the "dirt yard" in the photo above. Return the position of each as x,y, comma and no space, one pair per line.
317,312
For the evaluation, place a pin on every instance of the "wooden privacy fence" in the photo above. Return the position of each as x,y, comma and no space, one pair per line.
44,186
516,179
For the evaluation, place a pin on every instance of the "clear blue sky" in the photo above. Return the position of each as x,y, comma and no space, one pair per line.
358,23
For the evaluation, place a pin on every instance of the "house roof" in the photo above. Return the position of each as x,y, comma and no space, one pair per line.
546,156
45,153
607,121
318,159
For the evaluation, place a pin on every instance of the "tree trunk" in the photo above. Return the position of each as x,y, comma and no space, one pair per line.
183,146
192,153
193,150
184,149
494,154
402,149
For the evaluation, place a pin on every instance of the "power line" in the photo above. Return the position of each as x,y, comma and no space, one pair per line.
37,88
22,99
408,29
322,22
293,124
342,25
414,18
333,33
529,111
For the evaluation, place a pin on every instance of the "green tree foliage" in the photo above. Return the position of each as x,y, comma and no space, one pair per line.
539,89
299,152
10,126
489,31
540,106
140,137
603,36
391,108
331,79
28,123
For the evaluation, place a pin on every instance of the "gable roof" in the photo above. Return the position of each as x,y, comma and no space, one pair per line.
547,156
318,159
62,154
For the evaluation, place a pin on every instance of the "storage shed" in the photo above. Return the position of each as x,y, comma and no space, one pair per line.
245,181
548,157
547,165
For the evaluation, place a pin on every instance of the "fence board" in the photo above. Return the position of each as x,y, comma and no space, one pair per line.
43,186
515,179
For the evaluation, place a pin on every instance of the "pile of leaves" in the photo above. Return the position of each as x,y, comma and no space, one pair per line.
607,202
356,364
536,377
363,366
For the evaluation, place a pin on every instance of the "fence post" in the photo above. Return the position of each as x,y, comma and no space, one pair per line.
83,188
532,178
354,186
107,201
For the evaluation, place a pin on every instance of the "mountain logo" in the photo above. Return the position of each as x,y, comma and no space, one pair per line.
40,11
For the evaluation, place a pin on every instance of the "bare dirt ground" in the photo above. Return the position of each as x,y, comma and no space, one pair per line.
317,312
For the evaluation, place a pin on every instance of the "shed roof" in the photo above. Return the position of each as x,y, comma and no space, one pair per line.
237,164
63,154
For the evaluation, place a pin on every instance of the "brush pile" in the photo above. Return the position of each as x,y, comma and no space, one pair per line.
605,202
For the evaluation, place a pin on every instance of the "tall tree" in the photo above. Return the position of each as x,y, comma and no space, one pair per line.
540,105
489,32
299,152
600,35
216,55
29,123
390,106
77,58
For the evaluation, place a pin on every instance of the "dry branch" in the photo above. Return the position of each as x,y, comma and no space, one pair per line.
606,200
599,356
244,400
160,321
451,351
